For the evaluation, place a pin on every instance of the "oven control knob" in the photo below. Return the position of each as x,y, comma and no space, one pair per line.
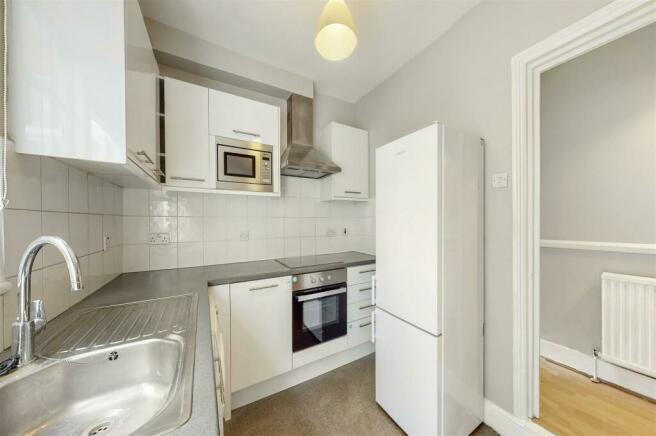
329,277
313,280
321,279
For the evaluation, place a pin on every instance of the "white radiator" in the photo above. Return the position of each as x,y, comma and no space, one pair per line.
628,322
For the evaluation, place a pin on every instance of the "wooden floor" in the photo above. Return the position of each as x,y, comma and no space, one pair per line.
572,405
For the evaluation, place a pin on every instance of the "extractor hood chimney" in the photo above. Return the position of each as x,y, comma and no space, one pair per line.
300,158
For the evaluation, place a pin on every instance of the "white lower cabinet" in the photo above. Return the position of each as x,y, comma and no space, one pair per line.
260,330
359,332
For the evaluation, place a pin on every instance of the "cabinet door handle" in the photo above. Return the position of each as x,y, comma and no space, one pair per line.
367,271
189,179
352,192
366,307
147,158
243,132
365,289
260,288
365,324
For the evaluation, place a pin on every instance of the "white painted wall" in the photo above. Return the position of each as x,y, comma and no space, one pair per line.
463,79
598,170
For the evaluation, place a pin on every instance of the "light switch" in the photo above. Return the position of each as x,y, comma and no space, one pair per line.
500,180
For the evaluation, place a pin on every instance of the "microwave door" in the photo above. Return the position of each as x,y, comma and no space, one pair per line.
239,165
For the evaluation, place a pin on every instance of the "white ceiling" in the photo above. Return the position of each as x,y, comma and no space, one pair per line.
281,34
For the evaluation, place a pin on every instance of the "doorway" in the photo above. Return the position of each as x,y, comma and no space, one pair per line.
608,24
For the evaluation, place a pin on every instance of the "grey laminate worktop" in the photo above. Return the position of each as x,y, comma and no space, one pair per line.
138,286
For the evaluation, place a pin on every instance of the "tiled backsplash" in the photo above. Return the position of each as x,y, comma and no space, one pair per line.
47,196
207,229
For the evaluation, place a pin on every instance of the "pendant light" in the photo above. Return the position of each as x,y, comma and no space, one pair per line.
336,37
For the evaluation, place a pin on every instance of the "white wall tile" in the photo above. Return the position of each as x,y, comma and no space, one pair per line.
54,185
291,186
94,279
190,229
257,249
307,227
190,254
135,202
109,266
308,246
306,207
108,229
257,206
292,247
292,207
136,257
310,188
163,256
56,290
257,227
94,188
237,251
163,203
118,200
24,180
78,196
215,253
118,230
236,206
21,228
107,198
190,204
237,229
276,207
214,229
214,205
95,233
2,322
135,230
322,209
275,248
292,227
161,224
54,224
275,227
78,224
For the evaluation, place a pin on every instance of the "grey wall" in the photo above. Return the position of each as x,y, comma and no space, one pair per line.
598,179
463,79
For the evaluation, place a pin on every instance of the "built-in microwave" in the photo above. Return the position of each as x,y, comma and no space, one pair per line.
244,165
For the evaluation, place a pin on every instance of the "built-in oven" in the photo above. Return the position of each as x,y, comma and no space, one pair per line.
318,308
244,165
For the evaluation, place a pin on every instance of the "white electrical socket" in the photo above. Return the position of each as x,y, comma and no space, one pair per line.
245,235
159,238
107,243
331,233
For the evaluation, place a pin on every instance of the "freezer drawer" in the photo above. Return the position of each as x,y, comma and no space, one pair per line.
407,374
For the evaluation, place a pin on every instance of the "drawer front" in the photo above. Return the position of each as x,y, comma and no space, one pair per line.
360,274
361,292
359,332
359,310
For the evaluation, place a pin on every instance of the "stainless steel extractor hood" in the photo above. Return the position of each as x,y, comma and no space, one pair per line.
300,158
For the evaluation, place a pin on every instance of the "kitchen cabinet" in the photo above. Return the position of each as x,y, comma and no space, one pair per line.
348,147
83,87
188,147
236,117
260,331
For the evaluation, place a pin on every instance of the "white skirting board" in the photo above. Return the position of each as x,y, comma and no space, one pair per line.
606,371
507,424
299,375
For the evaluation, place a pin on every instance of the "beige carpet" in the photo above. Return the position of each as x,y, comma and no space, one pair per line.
340,402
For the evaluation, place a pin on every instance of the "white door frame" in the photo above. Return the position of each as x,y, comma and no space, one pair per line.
601,27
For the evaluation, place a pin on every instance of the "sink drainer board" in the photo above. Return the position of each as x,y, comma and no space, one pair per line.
109,326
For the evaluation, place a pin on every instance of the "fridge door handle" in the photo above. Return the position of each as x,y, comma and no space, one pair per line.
373,327
373,290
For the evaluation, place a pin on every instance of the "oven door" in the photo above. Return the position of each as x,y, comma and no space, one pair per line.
319,315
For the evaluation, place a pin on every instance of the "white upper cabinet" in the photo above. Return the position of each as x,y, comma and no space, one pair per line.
348,147
83,84
188,146
232,116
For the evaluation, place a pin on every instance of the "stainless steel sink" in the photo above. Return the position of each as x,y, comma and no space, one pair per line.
116,370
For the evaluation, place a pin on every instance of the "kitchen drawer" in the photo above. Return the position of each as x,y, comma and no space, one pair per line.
359,332
361,292
359,310
360,274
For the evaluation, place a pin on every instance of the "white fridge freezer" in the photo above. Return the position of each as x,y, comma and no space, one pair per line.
428,322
